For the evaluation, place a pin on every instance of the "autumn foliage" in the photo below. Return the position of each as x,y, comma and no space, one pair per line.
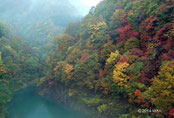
122,48
126,32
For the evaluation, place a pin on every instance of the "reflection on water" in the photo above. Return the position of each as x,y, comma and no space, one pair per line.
27,104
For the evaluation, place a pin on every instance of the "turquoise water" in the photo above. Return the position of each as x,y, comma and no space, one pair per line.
27,104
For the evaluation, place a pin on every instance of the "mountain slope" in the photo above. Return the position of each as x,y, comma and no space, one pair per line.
38,21
122,49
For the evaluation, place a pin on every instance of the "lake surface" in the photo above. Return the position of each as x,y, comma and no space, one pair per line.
27,104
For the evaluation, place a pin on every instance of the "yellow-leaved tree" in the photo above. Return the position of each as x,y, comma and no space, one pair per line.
68,69
112,60
11,50
0,58
94,29
161,93
119,75
59,66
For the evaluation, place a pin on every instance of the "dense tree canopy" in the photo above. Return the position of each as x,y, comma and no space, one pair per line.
122,48
117,60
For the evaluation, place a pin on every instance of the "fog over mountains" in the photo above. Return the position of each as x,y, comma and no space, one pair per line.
38,20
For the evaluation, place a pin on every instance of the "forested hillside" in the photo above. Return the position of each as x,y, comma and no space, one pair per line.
26,27
38,21
118,61
19,65
122,52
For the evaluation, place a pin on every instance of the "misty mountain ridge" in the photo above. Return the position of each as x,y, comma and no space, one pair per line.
39,20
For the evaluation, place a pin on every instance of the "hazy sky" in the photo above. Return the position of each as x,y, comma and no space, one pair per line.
84,5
